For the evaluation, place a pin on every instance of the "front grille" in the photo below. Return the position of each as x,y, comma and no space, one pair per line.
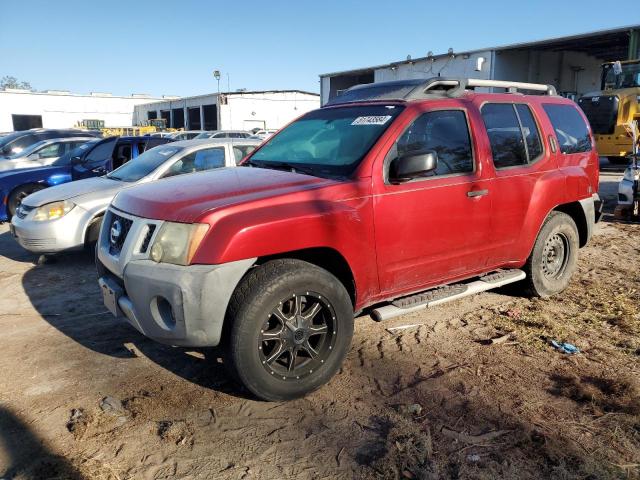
117,232
602,113
147,238
23,210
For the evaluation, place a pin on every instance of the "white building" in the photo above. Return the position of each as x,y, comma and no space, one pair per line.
244,110
571,64
24,109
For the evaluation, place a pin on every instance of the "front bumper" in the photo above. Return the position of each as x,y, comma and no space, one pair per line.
173,304
52,236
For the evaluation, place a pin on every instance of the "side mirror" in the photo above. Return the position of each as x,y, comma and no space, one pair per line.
76,161
34,156
413,165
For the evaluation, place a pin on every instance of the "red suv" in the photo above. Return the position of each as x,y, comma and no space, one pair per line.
400,194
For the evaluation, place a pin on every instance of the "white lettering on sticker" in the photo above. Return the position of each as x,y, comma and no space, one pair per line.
372,120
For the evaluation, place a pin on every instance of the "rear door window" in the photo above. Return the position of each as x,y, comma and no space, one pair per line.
503,129
513,134
570,127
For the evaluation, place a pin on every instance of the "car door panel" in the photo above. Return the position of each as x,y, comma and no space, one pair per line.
434,228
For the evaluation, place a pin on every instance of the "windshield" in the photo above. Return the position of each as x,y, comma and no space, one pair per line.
332,140
142,166
6,139
76,152
629,78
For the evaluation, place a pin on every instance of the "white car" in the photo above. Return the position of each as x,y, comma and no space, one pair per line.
185,135
264,133
68,217
225,134
41,153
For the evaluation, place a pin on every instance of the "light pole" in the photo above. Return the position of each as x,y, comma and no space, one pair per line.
216,75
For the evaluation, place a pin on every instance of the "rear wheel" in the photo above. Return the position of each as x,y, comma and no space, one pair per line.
19,194
553,259
291,325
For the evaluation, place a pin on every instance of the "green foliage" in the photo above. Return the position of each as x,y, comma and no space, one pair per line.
12,82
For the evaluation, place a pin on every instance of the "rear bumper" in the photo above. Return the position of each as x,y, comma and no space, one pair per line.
173,304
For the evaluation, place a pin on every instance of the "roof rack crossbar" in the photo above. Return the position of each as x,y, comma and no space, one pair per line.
457,86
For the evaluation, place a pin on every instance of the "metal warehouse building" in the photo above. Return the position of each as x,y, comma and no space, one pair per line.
571,63
24,109
244,110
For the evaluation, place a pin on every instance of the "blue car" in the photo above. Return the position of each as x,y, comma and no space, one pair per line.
92,159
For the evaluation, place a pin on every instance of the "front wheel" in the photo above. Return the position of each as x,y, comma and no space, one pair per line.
19,194
554,256
291,324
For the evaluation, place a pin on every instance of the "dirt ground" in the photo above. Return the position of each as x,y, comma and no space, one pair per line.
471,389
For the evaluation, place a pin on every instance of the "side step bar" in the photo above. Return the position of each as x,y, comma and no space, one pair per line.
447,293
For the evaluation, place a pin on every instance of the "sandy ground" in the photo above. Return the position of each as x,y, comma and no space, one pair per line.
471,390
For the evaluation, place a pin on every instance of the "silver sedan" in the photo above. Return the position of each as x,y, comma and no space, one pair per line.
68,217
41,153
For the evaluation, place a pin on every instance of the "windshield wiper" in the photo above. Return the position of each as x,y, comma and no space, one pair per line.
293,167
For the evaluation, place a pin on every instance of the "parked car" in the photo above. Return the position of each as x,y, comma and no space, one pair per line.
224,134
159,134
390,191
68,217
17,141
185,134
264,134
93,158
42,153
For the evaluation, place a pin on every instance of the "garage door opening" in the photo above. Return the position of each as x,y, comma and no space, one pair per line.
26,122
194,118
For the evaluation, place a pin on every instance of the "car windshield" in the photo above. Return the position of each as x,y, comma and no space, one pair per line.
76,152
330,141
10,138
628,78
142,166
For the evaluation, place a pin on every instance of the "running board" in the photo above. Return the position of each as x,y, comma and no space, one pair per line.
447,293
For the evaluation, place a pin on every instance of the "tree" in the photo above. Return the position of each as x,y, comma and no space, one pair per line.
12,82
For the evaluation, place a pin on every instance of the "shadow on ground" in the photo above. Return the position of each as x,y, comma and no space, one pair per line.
24,455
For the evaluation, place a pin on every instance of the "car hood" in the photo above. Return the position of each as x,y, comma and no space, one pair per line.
78,191
35,174
187,198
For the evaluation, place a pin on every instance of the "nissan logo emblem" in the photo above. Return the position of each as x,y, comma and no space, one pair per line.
115,232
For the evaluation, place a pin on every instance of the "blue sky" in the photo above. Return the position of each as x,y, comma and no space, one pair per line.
171,48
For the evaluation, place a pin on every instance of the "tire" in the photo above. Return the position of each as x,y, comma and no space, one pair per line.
263,330
554,256
92,234
19,194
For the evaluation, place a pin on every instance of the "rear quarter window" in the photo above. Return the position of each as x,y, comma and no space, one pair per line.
571,130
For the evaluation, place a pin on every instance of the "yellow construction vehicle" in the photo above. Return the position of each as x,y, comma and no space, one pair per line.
612,108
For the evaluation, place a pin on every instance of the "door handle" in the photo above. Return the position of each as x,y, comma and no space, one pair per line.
477,193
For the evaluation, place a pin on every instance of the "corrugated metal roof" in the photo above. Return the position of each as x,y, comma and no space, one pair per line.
576,41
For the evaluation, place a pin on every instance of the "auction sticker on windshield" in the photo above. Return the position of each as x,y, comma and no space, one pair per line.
372,120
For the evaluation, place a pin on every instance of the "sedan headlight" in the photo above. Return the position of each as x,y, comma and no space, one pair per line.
177,242
53,211
631,174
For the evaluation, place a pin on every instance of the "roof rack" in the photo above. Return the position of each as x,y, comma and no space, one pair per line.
432,87
454,87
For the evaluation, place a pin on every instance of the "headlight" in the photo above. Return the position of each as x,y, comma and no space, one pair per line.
52,211
177,242
631,174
